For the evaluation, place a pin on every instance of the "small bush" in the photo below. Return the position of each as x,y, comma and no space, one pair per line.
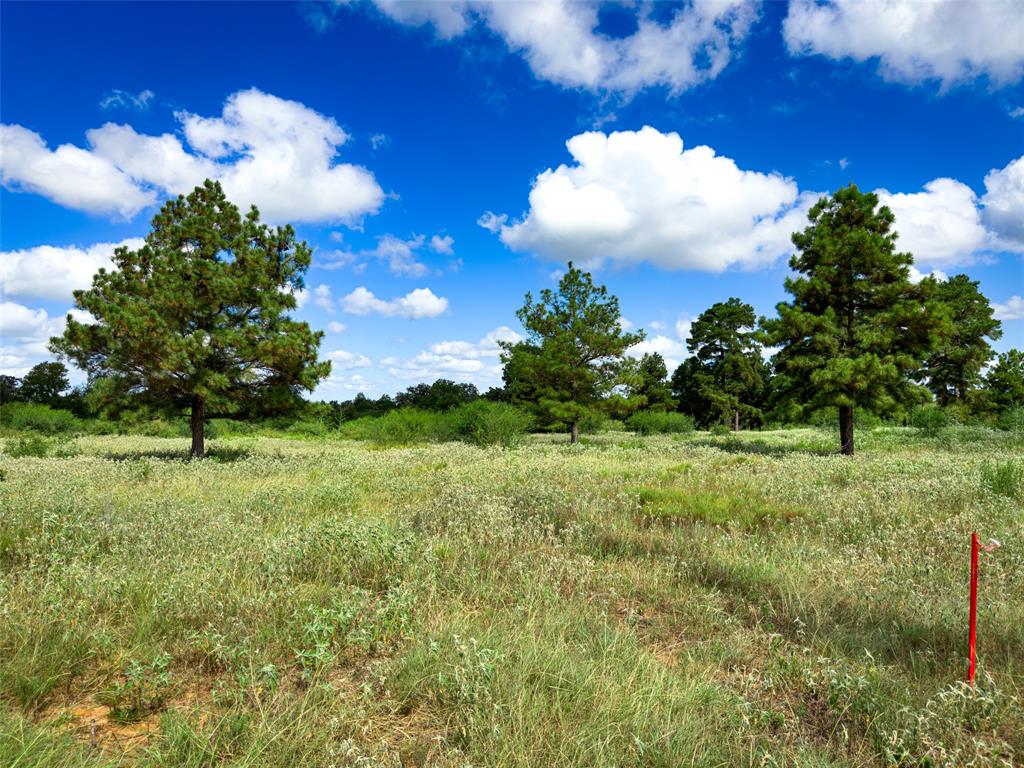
930,420
655,423
1011,420
1004,479
720,430
38,418
486,423
33,446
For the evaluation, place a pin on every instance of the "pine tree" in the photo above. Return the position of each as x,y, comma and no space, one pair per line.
954,367
198,316
651,383
574,354
856,329
731,372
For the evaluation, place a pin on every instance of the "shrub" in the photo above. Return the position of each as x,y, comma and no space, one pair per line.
657,423
930,420
1011,420
720,430
403,426
39,418
487,423
1004,479
35,446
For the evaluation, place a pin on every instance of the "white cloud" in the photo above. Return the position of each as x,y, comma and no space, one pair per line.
399,255
52,272
301,297
843,163
1016,113
24,335
68,175
335,327
469,361
379,140
673,350
1003,204
323,299
491,221
939,226
417,304
1013,309
267,151
916,275
637,196
343,360
118,99
443,244
559,39
683,326
945,40
488,346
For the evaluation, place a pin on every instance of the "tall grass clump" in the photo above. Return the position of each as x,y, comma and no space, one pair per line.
654,423
1012,420
485,423
1004,478
38,418
404,426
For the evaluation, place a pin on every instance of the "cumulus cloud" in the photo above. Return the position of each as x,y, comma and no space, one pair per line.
1013,309
335,327
443,244
343,360
52,272
24,335
323,299
417,304
1003,205
471,361
940,225
560,41
673,350
634,196
118,99
271,152
945,40
916,275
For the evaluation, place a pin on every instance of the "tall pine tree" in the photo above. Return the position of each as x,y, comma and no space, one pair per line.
856,329
197,317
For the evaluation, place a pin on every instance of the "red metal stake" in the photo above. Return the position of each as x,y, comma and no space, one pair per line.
974,606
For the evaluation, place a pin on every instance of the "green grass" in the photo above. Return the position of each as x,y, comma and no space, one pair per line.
748,599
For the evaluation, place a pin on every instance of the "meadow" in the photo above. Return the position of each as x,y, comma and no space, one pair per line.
686,599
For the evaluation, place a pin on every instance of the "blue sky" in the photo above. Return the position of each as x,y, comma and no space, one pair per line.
444,158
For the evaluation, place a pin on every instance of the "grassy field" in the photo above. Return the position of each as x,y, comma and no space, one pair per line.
693,600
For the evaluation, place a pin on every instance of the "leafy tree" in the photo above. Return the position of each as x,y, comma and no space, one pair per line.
686,389
574,355
198,316
1004,383
652,383
954,367
442,395
10,389
856,328
731,372
44,383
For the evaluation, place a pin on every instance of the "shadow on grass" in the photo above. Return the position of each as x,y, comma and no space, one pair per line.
217,455
761,446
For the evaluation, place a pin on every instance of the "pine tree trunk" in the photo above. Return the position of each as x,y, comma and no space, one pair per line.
198,423
846,430
736,421
574,435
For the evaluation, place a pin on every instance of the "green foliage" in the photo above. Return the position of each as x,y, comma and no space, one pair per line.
729,374
651,383
485,423
197,317
34,445
856,329
954,367
720,430
1012,420
574,356
39,418
931,420
44,383
442,395
655,423
141,689
1004,478
1004,384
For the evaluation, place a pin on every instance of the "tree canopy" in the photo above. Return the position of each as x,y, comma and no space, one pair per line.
198,316
953,369
574,353
856,329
